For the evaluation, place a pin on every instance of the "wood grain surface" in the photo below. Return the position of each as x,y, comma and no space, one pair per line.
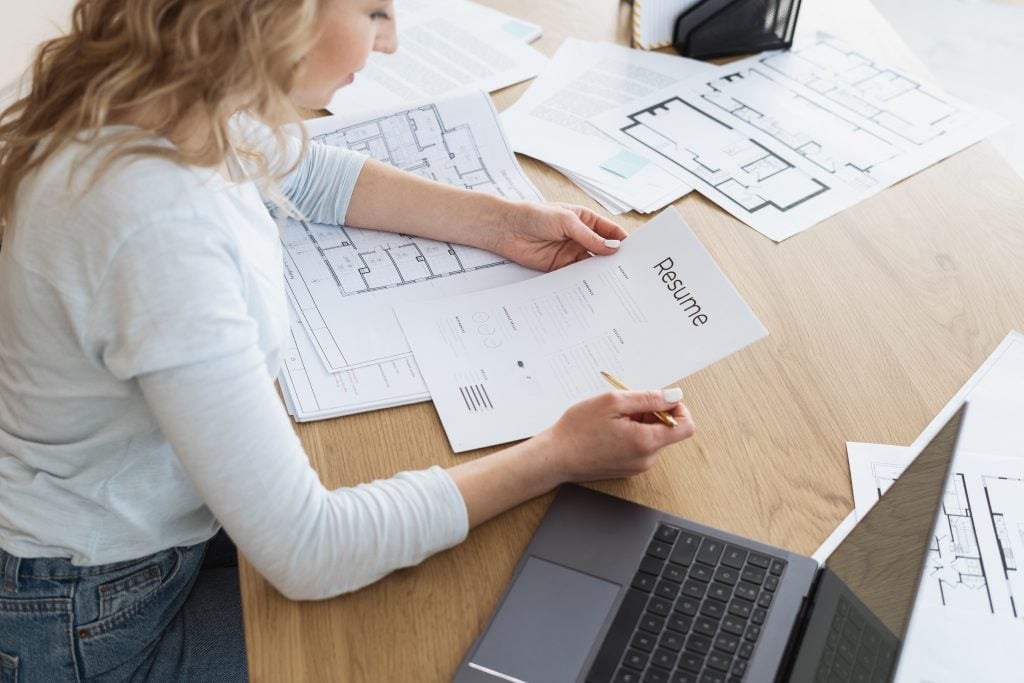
876,317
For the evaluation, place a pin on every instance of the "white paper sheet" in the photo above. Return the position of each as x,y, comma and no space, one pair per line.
549,122
971,599
786,139
444,46
344,281
503,364
313,393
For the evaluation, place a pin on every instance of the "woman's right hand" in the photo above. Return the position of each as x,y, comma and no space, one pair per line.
614,434
606,437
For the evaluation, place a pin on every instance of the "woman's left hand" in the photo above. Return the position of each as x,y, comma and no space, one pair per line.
549,236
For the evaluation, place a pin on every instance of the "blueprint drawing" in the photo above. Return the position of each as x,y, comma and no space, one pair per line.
344,281
786,139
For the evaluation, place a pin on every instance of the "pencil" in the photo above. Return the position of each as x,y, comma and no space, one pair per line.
661,415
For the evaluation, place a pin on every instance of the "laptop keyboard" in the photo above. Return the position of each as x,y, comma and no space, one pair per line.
693,613
854,650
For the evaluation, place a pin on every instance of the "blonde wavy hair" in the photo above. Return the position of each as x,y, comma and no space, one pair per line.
204,58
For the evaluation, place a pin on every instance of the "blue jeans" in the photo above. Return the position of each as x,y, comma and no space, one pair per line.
174,615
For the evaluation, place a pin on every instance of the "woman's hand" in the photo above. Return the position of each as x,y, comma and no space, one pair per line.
609,436
615,434
549,236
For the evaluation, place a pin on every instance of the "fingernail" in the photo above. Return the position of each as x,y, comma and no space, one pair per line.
612,244
673,395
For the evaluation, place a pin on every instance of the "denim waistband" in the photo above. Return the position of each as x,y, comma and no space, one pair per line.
12,567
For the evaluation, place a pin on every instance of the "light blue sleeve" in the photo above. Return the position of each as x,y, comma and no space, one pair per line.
321,187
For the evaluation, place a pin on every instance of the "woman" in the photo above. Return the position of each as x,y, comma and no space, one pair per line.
143,304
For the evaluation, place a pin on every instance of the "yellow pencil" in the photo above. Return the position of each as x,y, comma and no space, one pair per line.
661,415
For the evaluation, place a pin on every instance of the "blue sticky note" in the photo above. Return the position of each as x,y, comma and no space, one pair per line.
518,29
624,164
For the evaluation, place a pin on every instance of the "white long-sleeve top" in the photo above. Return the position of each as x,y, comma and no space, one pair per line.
141,328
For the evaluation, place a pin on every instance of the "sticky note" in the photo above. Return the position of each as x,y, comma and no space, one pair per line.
624,164
518,29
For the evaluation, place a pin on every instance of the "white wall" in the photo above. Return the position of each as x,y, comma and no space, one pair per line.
23,25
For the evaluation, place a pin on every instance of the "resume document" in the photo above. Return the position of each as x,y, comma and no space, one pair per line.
504,363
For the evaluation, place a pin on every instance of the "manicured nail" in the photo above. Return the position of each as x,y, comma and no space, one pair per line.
673,395
612,244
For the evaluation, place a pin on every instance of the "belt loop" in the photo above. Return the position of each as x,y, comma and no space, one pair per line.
11,564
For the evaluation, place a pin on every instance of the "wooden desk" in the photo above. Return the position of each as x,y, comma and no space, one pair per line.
877,316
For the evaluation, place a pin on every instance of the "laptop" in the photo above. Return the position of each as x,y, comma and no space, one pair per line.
609,591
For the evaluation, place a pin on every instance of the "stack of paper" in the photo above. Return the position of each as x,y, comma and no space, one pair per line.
348,353
971,599
445,46
786,139
550,121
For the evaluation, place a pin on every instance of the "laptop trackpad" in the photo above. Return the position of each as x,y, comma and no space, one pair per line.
546,625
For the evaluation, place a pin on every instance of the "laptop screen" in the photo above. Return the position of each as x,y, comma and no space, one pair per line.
861,606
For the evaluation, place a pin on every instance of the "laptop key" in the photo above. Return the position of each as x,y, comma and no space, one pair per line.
734,625
720,591
739,667
705,626
746,649
684,677
734,557
759,561
673,641
691,661
713,609
698,643
625,621
651,565
753,633
673,572
771,583
701,572
727,575
659,606
695,589
710,551
717,660
764,600
643,641
753,574
659,550
740,608
666,659
652,623
727,643
685,548
635,659
666,533
679,622
667,590
644,582
687,605
627,676
656,675
777,567
747,591
759,615
712,677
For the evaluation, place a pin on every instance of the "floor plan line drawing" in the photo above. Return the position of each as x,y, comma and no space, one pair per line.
790,138
344,281
742,171
955,563
1004,500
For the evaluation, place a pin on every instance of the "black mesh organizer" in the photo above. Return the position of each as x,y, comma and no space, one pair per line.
722,28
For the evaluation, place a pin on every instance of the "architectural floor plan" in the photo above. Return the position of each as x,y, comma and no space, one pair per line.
343,281
786,139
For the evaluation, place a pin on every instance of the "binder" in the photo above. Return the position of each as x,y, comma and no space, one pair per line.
722,28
